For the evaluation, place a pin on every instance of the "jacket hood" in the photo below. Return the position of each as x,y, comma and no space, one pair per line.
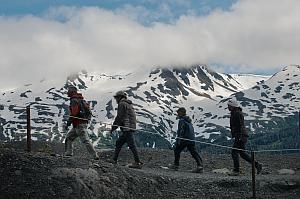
236,109
77,95
126,101
186,118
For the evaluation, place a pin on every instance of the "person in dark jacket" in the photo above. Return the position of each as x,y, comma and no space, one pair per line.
185,131
240,135
126,120
79,125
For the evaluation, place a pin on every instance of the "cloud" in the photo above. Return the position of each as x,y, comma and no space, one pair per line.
252,35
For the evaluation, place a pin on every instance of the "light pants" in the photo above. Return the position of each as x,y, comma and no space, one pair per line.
81,132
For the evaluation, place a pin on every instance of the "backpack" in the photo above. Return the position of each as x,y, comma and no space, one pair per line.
85,111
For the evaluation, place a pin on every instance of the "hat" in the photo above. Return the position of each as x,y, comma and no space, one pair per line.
120,94
72,88
182,110
233,103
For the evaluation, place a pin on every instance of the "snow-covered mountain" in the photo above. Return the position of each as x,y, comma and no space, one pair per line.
266,105
156,95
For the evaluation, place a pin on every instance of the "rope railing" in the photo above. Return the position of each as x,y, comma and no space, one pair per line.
253,167
150,132
28,108
9,106
276,150
197,141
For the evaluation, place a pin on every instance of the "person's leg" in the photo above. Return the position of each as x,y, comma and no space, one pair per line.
132,146
192,149
82,132
246,157
71,136
243,154
119,143
179,146
235,156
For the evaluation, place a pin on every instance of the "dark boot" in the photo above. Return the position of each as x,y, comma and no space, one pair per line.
258,167
173,167
136,165
234,172
198,169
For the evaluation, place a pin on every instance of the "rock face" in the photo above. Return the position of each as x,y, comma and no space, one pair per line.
269,104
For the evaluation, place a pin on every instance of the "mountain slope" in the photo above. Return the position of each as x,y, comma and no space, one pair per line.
156,95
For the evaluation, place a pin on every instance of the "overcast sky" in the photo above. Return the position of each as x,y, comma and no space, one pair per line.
50,41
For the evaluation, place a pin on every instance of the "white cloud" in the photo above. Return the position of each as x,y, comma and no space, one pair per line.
252,35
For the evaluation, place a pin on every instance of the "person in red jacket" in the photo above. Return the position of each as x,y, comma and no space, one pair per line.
79,125
240,135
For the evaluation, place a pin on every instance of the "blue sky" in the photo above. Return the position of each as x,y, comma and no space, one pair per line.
114,36
177,8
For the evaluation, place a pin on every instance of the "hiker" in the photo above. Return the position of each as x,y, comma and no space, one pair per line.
78,109
185,131
240,135
126,120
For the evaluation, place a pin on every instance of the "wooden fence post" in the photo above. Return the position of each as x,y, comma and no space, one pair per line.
253,175
28,129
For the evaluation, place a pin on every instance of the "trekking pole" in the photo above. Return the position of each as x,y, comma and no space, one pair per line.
28,129
253,175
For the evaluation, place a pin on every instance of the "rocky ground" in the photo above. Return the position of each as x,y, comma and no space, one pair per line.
44,173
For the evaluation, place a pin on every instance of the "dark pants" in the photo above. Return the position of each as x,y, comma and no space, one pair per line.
126,137
182,144
240,144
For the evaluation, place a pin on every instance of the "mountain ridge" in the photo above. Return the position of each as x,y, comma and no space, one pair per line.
156,95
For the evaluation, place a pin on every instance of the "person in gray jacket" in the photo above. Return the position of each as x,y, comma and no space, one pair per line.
126,120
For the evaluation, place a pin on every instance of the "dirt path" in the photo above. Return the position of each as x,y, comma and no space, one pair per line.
46,175
184,184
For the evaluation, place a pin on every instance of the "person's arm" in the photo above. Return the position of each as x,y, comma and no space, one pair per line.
181,129
74,110
119,120
242,125
238,124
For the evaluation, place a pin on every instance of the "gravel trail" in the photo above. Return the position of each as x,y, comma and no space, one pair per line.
44,173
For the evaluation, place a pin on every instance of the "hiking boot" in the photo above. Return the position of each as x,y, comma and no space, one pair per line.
234,173
68,155
96,157
136,165
173,167
112,161
258,168
198,169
